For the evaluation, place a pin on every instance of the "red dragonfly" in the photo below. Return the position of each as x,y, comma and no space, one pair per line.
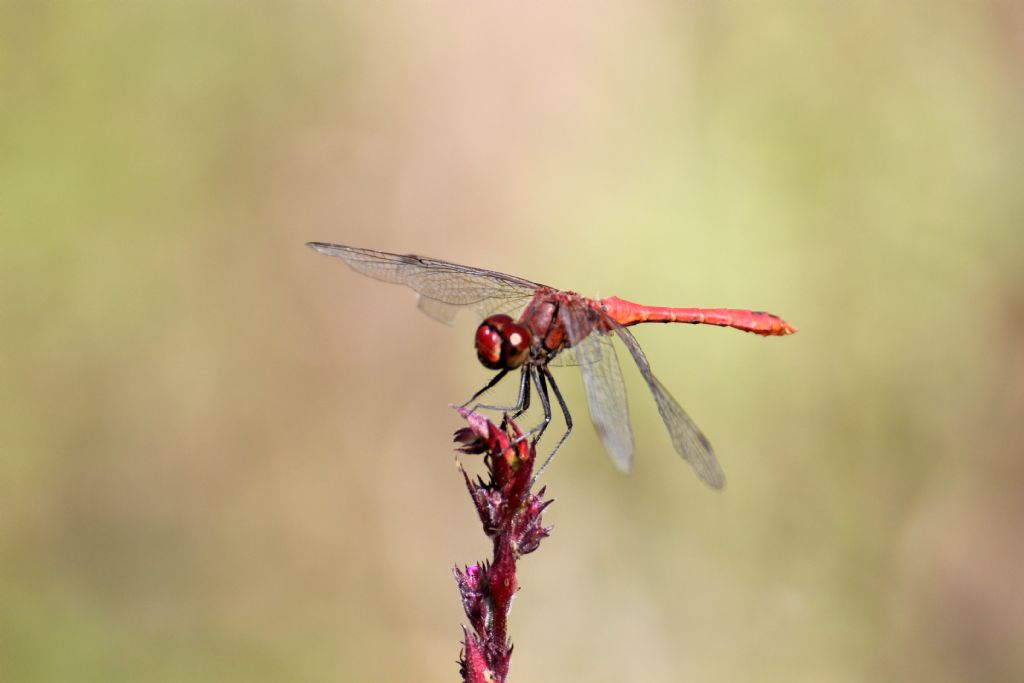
557,327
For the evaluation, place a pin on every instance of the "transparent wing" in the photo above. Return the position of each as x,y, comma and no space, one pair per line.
565,358
444,288
606,390
687,438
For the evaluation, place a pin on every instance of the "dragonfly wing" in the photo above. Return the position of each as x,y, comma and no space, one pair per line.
444,288
606,390
687,438
565,358
437,309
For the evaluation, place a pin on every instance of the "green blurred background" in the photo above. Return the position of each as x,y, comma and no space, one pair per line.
227,458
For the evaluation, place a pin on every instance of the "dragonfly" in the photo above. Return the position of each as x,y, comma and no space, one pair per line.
554,327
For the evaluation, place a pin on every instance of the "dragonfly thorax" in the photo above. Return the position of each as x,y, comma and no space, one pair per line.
543,318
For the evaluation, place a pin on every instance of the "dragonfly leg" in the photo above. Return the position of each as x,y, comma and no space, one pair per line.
521,404
487,387
545,402
565,413
535,433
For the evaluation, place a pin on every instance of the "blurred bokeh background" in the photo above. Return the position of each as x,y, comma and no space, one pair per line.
226,457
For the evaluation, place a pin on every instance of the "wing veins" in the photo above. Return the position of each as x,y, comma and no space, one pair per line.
687,438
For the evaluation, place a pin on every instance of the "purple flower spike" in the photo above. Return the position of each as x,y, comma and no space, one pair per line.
511,517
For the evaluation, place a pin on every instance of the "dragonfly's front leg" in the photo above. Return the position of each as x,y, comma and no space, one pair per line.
487,387
521,404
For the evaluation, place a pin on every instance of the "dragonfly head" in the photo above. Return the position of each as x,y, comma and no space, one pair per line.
502,343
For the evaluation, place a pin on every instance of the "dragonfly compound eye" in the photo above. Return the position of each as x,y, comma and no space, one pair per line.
501,343
516,346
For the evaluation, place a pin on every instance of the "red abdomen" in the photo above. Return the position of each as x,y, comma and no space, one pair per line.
628,313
